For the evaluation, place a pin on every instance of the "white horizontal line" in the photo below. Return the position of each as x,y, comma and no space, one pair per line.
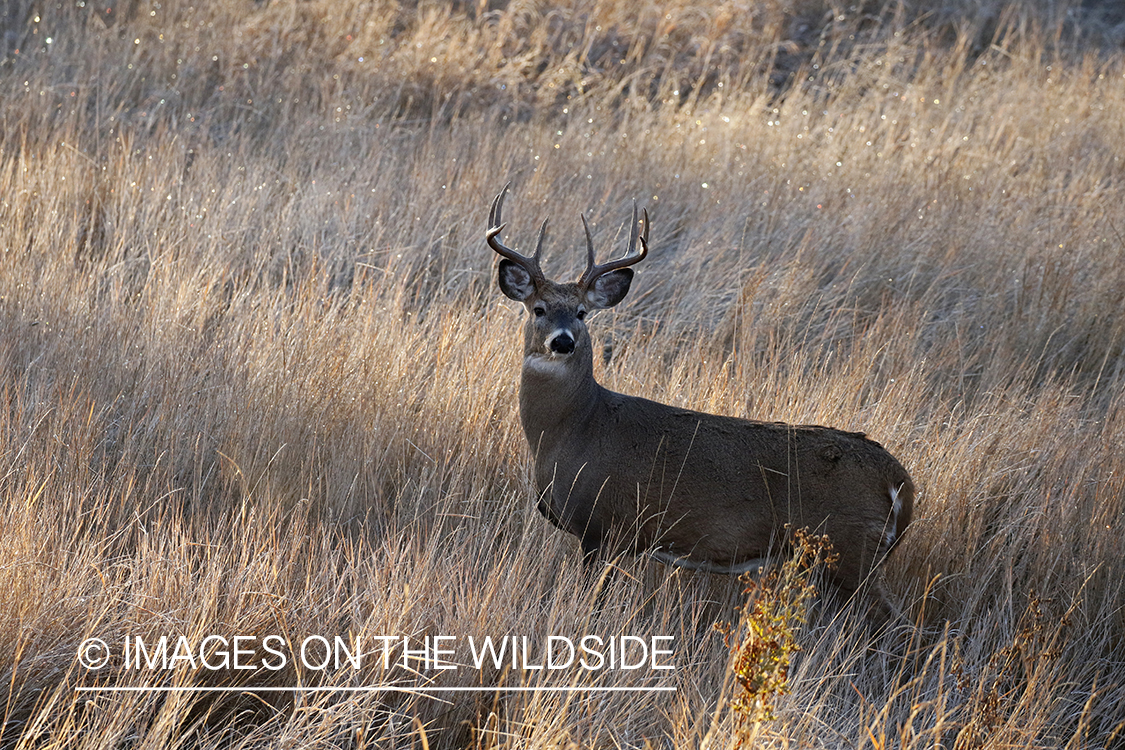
368,689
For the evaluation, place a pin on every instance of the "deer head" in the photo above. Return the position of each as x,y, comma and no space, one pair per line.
556,328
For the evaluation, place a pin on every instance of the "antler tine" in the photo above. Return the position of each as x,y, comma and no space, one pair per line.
634,231
593,271
531,265
497,207
589,247
539,241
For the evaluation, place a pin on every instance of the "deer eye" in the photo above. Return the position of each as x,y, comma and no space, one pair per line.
581,314
539,311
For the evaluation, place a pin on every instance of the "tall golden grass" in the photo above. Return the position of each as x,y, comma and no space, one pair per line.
257,377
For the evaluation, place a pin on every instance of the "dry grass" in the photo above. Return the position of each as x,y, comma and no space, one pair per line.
257,377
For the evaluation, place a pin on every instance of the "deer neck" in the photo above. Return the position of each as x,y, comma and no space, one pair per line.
557,396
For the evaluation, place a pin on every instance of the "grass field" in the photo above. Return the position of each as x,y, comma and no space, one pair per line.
258,379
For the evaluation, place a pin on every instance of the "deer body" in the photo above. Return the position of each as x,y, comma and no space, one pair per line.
695,489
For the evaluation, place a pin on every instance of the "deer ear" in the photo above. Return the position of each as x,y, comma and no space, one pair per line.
610,288
515,281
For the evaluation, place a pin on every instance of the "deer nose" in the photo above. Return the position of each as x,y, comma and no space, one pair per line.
561,342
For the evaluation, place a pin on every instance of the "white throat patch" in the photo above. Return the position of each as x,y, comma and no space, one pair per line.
546,364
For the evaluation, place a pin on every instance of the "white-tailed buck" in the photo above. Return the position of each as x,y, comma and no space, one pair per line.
699,490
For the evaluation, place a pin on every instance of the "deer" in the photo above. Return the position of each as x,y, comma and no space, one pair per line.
714,493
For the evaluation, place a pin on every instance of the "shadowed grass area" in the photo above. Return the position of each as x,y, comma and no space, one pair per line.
257,378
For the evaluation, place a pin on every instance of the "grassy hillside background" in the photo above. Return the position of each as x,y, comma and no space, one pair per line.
257,376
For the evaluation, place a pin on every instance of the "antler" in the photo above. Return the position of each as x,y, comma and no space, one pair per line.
531,265
593,271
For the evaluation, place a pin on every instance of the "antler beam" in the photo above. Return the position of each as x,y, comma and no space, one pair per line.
593,271
496,226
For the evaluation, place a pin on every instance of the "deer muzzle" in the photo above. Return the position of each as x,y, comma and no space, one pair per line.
560,342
